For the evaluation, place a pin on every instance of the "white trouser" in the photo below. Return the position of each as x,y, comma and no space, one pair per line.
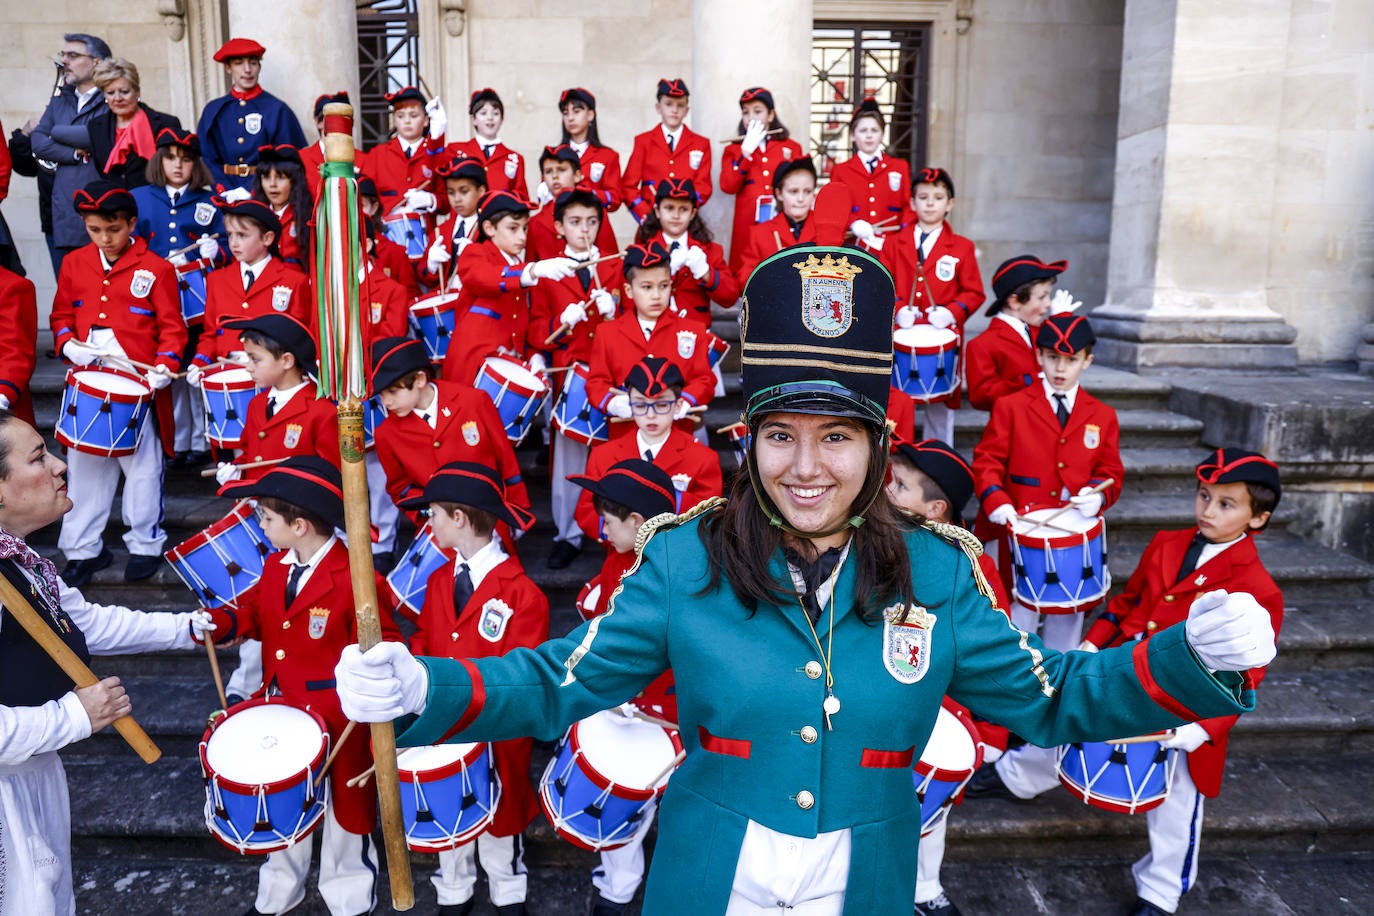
937,422
348,872
1169,869
91,483
503,860
188,409
1029,771
247,677
622,869
929,857
35,839
569,457
384,512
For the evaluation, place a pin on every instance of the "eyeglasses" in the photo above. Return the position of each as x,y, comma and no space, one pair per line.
73,55
643,408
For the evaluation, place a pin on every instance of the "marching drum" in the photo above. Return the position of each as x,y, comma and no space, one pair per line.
518,394
103,410
449,794
1117,777
260,763
226,392
608,772
1060,566
433,318
573,414
951,756
925,361
191,286
225,560
411,575
408,231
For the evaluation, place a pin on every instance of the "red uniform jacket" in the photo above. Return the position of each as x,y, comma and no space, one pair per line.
492,311
304,425
19,343
681,454
301,644
601,170
901,415
505,167
281,288
693,297
138,300
392,261
619,344
878,196
549,299
289,243
394,174
998,362
483,628
650,162
1152,601
467,428
435,279
768,238
750,179
312,159
385,306
542,239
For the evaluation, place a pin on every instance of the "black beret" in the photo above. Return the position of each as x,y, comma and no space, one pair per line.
286,330
393,357
676,89
471,484
170,136
101,196
1016,272
653,375
577,94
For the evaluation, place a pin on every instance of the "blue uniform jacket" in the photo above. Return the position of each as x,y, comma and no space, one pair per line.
232,129
749,698
166,228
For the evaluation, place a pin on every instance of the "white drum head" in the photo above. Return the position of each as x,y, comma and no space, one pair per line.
229,377
433,757
628,753
264,744
950,747
433,302
923,336
515,373
114,384
1071,521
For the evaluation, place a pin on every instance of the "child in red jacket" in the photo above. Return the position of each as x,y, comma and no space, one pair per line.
794,193
302,610
404,167
480,605
505,167
936,276
19,345
560,170
747,166
600,163
697,263
667,151
877,185
117,301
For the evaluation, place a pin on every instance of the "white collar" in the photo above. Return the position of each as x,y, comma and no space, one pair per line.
676,135
282,396
579,148
482,562
83,97
291,558
1017,325
483,143
1070,396
682,241
645,446
930,239
429,414
1209,551
257,268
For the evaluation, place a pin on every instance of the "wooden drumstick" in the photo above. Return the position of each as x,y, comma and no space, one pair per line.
266,462
681,756
195,244
886,222
19,608
777,239
724,430
362,778
214,670
766,133
334,752
144,366
1143,739
654,720
564,327
601,260
1097,489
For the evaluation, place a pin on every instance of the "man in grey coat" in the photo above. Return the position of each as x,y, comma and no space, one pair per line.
61,137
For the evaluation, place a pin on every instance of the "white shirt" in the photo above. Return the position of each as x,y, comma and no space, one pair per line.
490,556
280,397
484,143
680,241
645,446
83,98
174,192
429,414
648,327
257,269
1018,325
672,136
579,148
929,243
1211,550
291,558
1070,396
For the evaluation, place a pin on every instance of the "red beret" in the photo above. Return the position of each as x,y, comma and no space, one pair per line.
239,47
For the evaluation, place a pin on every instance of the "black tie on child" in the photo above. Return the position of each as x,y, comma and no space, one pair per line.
462,588
1061,410
1190,558
293,581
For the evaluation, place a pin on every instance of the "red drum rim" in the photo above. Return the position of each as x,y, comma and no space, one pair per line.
491,367
937,774
434,303
74,381
309,771
211,380
1059,540
448,769
237,516
601,782
925,349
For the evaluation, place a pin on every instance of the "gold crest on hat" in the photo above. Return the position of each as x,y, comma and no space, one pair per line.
827,294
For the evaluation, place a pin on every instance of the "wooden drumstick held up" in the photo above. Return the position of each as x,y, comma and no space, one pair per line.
19,608
195,244
777,239
1143,739
654,720
214,670
266,462
1097,489
361,778
334,752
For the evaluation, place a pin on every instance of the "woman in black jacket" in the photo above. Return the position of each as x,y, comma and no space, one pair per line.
122,138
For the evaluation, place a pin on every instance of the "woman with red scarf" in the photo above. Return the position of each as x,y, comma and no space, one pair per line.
123,137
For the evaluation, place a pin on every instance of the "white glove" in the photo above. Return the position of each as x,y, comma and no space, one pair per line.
696,262
193,375
438,118
681,482
4,402
158,377
420,200
906,316
1088,503
460,245
538,364
202,622
1002,515
78,354
1063,303
178,259
234,195
1187,738
437,256
380,684
940,317
677,257
619,406
574,313
238,358
208,248
542,194
1086,646
226,472
554,268
753,137
604,302
862,230
683,408
626,714
1230,632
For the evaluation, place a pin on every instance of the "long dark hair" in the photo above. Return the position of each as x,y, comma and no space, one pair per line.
302,204
740,542
696,229
593,135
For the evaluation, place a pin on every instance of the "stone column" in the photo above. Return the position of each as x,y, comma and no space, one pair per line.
737,44
312,48
1194,198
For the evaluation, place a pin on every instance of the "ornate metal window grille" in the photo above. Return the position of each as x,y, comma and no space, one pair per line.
388,58
851,61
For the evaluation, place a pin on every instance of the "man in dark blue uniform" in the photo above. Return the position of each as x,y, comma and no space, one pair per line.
233,126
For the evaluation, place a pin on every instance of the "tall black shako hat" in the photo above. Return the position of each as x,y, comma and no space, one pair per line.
1236,465
943,465
305,481
638,485
470,484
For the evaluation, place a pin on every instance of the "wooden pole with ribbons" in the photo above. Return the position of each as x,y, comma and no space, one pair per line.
338,255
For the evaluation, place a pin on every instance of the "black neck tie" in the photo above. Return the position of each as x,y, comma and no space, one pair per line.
461,230
486,150
248,279
871,164
671,144
649,455
271,406
410,151
176,196
293,581
813,573
921,247
1190,558
796,227
462,588
1061,410
584,276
